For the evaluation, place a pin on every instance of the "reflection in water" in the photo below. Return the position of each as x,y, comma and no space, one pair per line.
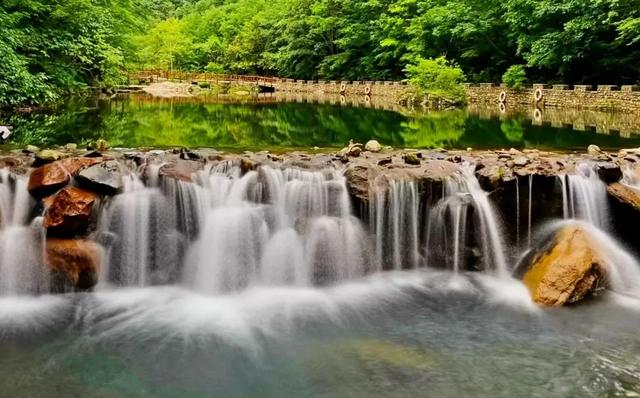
305,122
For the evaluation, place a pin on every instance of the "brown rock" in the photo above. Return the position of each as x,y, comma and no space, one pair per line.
68,212
49,178
566,272
75,263
625,194
182,170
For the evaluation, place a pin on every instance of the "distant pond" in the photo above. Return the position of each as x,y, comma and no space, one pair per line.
273,124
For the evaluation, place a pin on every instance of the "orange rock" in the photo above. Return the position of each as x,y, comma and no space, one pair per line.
49,178
69,210
625,194
568,272
77,261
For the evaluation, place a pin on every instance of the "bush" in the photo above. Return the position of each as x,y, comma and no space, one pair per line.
438,78
515,77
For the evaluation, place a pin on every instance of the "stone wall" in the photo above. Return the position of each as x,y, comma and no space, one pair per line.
602,97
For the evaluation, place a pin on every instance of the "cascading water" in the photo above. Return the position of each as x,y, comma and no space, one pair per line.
466,205
585,197
274,227
21,268
141,231
396,229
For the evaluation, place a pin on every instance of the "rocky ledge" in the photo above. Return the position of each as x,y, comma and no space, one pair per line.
70,184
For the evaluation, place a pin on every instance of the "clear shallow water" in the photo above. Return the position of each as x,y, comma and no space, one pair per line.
399,335
137,121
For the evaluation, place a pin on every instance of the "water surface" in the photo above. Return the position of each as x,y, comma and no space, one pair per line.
303,123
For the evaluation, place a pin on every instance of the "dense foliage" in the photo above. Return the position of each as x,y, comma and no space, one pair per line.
51,46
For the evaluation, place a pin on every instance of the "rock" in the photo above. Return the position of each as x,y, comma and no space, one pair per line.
92,154
71,147
49,178
104,178
31,149
514,152
247,165
411,158
594,150
521,161
625,194
358,177
75,263
69,211
373,146
353,150
567,271
609,172
101,145
47,156
180,169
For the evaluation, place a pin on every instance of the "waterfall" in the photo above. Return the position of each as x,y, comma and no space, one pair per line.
585,197
144,242
21,244
406,239
274,227
397,234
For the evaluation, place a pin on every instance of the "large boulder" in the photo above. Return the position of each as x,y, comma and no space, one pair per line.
68,212
49,178
104,178
75,264
567,270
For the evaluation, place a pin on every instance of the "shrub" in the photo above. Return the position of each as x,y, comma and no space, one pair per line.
438,78
515,77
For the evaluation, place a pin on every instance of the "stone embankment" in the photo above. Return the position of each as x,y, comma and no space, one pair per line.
71,184
624,98
601,97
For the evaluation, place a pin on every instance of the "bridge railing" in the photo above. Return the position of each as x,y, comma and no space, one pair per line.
199,76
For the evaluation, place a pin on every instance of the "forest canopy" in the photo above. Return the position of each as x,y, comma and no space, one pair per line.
50,47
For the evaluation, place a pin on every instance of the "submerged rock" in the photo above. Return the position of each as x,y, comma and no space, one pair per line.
69,211
567,271
104,178
75,264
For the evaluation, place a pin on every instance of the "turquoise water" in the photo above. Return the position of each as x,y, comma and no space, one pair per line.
139,121
416,335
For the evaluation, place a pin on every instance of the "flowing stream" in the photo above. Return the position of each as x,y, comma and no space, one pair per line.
266,283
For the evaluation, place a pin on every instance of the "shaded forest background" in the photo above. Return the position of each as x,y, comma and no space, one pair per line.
49,48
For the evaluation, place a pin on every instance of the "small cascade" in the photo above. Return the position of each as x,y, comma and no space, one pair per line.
465,212
21,244
274,227
143,239
585,197
397,215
